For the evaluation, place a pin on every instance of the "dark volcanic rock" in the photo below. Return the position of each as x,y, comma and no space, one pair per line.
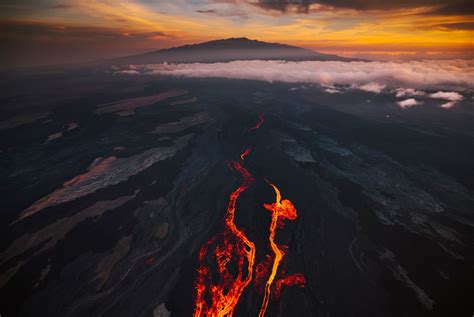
122,204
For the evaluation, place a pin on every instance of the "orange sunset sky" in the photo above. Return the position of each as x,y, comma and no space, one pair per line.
47,31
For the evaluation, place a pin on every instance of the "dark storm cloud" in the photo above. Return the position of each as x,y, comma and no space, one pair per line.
368,76
62,6
284,5
207,11
458,26
447,7
226,8
460,7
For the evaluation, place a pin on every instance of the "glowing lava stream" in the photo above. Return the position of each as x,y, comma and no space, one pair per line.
280,209
245,153
218,294
226,294
261,118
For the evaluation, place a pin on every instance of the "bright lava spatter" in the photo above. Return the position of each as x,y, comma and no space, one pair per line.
245,153
261,118
219,296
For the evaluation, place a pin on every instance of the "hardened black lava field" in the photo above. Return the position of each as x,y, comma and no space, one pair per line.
112,184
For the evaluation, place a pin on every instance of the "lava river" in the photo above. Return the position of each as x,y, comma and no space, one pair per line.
233,255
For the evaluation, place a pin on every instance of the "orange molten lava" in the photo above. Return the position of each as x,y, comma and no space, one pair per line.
151,260
245,153
261,118
284,210
219,287
295,279
225,294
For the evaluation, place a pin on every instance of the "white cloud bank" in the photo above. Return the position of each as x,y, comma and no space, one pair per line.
408,92
371,76
374,87
375,77
127,72
407,103
451,96
332,90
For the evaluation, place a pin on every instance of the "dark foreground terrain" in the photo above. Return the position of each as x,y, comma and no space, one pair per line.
111,184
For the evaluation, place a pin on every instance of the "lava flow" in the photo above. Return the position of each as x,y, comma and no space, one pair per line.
234,245
261,118
245,153
219,287
281,209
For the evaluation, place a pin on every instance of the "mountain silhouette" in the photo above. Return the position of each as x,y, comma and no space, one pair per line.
231,49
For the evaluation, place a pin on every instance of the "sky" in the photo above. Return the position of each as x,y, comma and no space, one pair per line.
52,32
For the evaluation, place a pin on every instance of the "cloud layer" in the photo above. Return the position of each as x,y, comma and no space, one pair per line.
459,7
445,80
452,97
455,75
407,103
